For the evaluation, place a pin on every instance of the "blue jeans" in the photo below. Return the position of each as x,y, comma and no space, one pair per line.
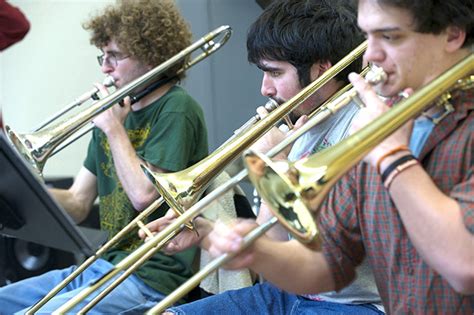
132,296
267,299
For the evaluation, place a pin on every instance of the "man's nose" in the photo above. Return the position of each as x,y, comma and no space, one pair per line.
374,53
268,88
106,67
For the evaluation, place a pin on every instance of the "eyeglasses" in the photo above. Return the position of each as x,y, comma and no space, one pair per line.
112,59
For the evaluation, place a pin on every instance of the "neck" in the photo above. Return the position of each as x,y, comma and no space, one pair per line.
152,97
448,64
328,90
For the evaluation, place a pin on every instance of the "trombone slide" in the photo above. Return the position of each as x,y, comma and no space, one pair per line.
194,281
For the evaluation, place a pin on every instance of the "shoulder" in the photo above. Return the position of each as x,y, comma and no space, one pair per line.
178,100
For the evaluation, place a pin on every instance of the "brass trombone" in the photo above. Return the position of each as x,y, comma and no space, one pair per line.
182,189
91,94
36,147
295,191
303,185
306,228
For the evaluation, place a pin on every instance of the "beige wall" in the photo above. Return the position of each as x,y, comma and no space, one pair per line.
47,70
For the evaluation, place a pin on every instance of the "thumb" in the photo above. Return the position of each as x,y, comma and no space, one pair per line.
170,214
102,90
127,102
262,112
364,90
300,122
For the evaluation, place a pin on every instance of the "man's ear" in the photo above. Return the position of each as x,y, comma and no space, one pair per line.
325,65
318,68
456,37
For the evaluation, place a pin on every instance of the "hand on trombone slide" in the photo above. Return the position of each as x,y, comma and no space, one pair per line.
374,107
115,115
185,239
228,238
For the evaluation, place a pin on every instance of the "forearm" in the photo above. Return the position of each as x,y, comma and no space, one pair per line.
277,232
435,225
204,227
138,187
76,209
305,271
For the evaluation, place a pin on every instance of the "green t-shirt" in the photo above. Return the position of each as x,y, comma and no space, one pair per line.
170,134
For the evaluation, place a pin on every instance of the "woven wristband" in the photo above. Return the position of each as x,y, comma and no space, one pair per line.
396,168
393,151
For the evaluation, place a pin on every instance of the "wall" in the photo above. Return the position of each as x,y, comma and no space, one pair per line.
55,63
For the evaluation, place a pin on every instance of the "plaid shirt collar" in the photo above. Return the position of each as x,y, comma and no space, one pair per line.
448,124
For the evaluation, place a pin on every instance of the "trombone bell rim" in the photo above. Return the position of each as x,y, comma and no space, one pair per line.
276,178
21,144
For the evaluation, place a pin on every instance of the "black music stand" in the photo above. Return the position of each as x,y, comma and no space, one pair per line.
28,212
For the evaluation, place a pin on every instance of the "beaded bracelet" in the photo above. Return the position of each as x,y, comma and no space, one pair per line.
396,168
393,151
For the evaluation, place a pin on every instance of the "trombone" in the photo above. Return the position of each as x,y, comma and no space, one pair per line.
303,185
91,94
295,191
181,190
306,228
37,146
41,144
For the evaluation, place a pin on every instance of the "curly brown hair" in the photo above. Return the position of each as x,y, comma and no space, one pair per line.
152,31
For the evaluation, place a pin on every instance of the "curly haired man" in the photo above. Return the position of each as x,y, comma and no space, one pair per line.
164,130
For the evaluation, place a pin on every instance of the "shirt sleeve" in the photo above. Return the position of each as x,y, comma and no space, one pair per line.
463,193
13,25
90,161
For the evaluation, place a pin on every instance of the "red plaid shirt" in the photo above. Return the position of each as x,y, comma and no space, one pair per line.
360,219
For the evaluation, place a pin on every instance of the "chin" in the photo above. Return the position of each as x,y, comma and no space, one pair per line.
388,90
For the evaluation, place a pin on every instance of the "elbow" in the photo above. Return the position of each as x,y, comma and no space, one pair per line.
141,201
80,214
463,281
464,286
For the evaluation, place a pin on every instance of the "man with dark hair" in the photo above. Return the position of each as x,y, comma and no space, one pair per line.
293,43
408,208
164,130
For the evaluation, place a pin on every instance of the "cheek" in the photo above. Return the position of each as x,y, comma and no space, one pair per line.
288,91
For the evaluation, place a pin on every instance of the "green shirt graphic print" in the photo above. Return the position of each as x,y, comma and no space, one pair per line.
170,134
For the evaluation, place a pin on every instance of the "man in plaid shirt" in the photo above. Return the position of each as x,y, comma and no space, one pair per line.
414,223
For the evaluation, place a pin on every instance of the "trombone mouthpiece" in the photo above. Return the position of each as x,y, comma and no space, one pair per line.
271,104
376,75
108,81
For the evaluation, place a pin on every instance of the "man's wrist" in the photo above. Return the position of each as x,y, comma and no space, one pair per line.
389,156
203,228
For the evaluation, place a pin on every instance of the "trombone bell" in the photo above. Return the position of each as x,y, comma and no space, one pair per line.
303,185
36,159
179,190
280,185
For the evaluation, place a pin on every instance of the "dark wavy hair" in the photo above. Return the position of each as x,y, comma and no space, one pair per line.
152,31
434,16
303,32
